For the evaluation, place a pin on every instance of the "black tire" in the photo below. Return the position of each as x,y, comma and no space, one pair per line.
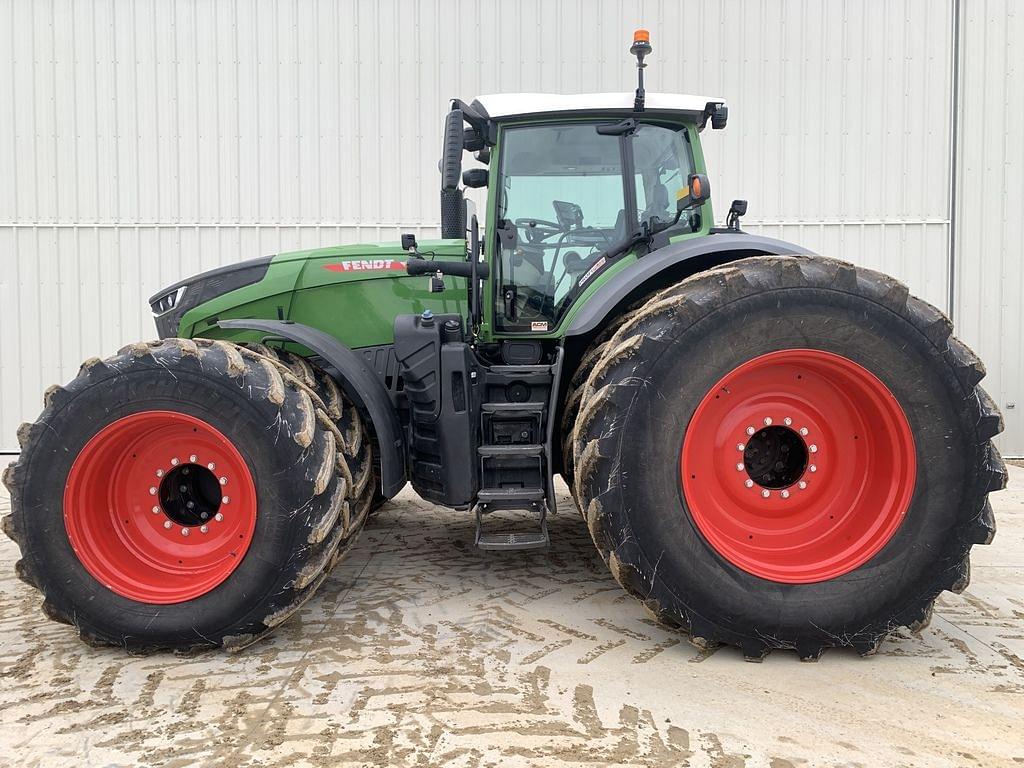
300,468
668,356
362,466
574,393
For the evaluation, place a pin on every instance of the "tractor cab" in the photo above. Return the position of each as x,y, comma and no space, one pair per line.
576,185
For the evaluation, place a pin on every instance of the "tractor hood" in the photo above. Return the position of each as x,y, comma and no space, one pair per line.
317,286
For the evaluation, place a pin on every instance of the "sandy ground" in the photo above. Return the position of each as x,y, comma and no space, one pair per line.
421,650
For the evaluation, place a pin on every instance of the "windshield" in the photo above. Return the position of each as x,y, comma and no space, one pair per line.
565,199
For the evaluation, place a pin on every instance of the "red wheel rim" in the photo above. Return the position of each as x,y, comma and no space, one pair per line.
160,507
798,466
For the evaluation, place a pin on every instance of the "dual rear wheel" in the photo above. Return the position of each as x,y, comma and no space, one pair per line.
786,453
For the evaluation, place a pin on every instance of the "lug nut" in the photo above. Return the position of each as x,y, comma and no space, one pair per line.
813,468
204,515
184,531
812,448
159,473
190,504
223,481
225,500
175,462
152,490
204,528
192,458
740,446
156,510
787,421
739,466
802,484
168,523
182,488
785,494
750,430
749,483
218,517
803,431
766,493
211,466
767,421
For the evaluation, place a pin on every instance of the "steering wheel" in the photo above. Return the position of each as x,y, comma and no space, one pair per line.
539,229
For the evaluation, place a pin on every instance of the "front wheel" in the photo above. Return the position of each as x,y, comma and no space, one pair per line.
184,493
800,456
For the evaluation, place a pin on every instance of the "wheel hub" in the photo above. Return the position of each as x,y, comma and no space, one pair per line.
798,466
189,495
775,457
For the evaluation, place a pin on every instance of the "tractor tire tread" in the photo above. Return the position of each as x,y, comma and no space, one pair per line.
601,401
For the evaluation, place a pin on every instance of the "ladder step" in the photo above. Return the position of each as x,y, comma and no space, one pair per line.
492,495
536,540
511,450
512,407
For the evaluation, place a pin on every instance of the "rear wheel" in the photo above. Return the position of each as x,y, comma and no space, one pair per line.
204,497
801,456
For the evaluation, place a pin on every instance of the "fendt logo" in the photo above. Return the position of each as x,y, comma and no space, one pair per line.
367,265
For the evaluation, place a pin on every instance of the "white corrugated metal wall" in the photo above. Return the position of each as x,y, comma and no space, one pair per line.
989,253
144,140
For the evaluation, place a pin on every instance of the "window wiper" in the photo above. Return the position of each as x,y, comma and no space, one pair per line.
644,234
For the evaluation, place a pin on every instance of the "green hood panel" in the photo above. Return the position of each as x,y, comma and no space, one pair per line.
352,292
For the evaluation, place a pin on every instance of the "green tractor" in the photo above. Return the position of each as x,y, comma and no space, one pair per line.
770,449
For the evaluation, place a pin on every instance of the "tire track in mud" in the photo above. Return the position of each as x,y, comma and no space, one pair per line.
420,650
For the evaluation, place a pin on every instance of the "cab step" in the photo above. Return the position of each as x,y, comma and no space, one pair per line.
512,540
506,495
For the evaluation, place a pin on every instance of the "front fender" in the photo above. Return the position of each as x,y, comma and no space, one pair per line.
361,385
645,270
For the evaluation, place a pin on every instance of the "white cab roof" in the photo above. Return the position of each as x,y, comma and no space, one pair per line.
501,105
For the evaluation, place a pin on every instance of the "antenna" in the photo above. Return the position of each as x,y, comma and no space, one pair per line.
640,48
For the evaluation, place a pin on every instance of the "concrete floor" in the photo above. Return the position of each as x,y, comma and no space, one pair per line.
420,650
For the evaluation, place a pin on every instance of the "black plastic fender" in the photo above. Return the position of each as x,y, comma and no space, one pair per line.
612,294
358,382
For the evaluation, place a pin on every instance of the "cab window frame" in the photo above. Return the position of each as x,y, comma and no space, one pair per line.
629,190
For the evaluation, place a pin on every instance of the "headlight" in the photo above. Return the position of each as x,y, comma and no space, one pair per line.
170,305
163,304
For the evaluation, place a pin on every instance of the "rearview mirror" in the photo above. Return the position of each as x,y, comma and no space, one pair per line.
696,192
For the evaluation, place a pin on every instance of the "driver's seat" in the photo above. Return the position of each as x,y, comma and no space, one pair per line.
658,205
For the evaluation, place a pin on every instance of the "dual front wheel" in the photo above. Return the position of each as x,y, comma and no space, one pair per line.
208,491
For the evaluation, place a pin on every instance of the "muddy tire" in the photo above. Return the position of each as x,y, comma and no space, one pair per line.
787,453
359,458
206,497
574,392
